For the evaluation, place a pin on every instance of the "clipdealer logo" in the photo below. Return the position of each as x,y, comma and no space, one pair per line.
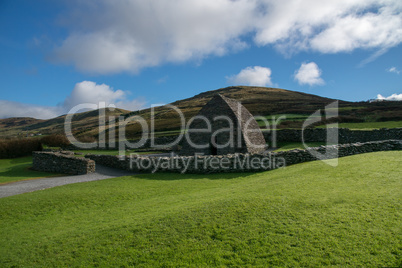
330,156
111,124
201,162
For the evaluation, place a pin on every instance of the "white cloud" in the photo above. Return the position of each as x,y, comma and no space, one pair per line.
309,74
393,70
367,30
331,26
17,109
394,97
106,36
252,76
83,92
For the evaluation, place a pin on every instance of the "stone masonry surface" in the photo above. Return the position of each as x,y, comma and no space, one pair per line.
295,135
240,162
62,162
232,129
344,135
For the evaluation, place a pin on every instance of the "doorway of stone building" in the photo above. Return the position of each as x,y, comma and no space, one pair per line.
213,146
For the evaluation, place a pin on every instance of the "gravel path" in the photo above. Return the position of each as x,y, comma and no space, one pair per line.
21,187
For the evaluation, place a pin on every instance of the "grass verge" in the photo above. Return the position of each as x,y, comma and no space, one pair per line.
18,169
368,125
309,214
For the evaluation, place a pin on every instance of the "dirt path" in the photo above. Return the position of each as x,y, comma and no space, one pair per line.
21,187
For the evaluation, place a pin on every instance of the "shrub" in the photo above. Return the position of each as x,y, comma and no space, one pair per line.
55,140
86,139
19,147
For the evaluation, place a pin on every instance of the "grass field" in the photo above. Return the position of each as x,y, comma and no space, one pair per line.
355,126
309,214
17,169
369,125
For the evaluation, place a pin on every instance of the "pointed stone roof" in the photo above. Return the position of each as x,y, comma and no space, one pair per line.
226,127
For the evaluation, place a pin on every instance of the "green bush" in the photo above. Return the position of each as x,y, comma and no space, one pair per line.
19,147
55,140
86,139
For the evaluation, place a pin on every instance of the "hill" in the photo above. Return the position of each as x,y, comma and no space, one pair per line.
12,127
82,123
262,101
259,101
18,122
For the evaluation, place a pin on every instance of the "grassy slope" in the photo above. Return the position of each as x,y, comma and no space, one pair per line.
309,214
258,100
82,122
17,169
14,126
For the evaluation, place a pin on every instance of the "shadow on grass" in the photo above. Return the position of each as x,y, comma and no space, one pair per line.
26,170
21,160
17,171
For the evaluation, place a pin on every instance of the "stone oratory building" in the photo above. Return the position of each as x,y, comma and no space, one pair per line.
223,126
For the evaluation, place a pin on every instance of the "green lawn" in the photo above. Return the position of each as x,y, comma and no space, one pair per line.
368,125
287,116
309,214
18,169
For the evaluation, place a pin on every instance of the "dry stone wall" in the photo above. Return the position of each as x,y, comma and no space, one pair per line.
240,162
62,162
345,135
291,135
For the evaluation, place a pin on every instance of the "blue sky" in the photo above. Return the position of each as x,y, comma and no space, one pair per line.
57,54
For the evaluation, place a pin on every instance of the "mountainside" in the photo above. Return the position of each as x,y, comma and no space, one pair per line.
12,127
261,101
81,123
18,122
258,100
